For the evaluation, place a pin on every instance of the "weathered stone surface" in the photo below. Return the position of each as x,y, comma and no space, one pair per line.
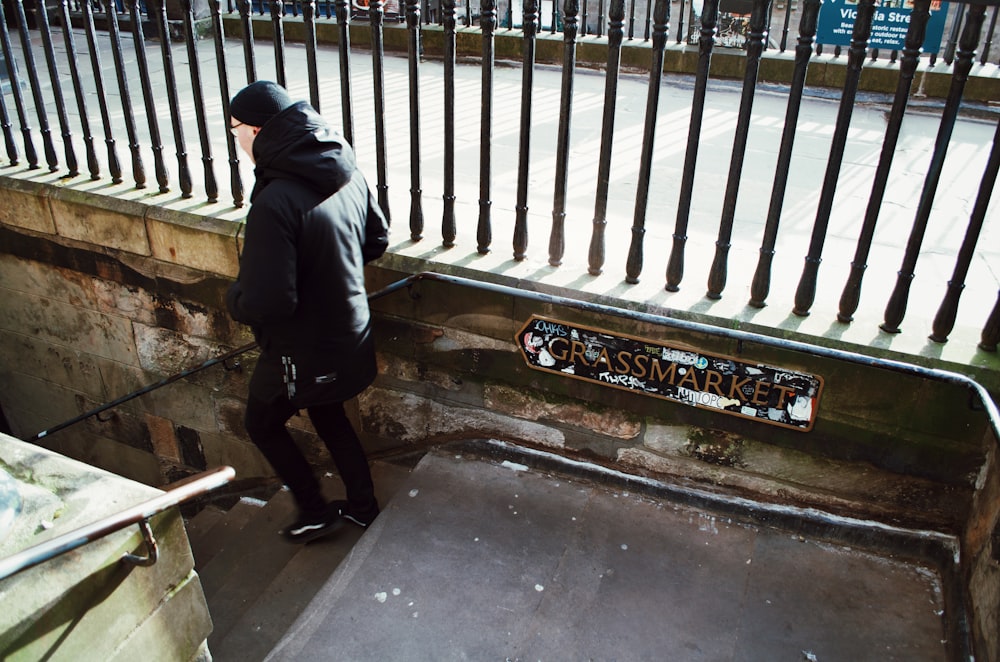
84,603
166,352
100,226
31,404
25,205
199,242
395,367
185,404
409,419
163,437
238,453
59,323
669,439
110,455
52,363
535,406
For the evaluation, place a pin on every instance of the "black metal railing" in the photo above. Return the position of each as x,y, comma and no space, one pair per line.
161,79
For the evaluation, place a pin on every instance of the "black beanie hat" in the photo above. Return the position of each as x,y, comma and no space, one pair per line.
258,102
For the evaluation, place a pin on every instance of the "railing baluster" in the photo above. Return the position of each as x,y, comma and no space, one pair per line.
851,296
484,228
413,32
139,42
583,18
530,25
896,308
88,139
597,241
8,134
805,293
675,265
985,57
661,19
557,237
278,30
167,55
631,19
649,19
784,28
45,31
376,17
211,186
991,331
29,61
114,166
235,181
600,18
448,225
117,53
944,321
761,284
312,74
15,88
717,275
249,58
343,10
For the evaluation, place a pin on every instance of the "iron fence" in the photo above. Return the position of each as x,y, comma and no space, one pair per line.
205,100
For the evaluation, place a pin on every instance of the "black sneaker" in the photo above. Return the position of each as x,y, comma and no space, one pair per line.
360,517
311,526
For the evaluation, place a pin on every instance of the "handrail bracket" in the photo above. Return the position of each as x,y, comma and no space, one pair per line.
152,549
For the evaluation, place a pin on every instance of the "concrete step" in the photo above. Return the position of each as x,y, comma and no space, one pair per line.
281,601
256,584
212,538
484,557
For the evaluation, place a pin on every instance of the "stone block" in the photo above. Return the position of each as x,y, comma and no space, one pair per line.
164,352
184,404
84,604
25,204
59,323
409,419
29,277
107,454
53,363
667,439
532,406
240,454
200,242
163,437
32,404
115,224
177,629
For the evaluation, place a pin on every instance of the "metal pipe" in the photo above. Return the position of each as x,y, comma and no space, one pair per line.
66,542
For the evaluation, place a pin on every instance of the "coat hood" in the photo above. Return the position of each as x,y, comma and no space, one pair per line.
298,144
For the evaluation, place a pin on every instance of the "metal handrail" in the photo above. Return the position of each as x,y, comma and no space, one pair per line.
138,514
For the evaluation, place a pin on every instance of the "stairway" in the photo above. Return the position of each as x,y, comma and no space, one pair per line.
255,583
485,550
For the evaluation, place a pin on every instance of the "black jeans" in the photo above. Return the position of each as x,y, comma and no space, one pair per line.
265,424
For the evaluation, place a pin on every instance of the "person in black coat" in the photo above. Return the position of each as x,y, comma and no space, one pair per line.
313,224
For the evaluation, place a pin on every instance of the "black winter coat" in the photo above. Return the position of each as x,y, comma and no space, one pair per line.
312,226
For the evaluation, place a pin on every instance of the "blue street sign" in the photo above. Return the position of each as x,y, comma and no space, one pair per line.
889,25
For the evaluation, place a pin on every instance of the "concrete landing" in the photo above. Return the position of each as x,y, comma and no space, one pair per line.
485,559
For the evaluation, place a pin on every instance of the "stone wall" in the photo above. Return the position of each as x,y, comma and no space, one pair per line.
104,292
105,295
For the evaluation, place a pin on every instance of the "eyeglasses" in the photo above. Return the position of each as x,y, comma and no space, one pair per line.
235,127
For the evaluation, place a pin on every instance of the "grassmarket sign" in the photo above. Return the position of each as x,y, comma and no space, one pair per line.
750,390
